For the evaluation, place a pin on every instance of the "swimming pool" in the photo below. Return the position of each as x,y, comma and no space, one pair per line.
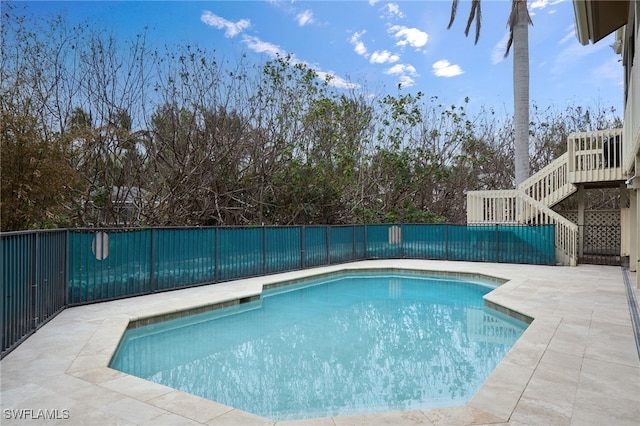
345,344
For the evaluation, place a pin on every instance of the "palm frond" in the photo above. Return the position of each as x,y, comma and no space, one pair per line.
509,43
478,23
454,9
474,14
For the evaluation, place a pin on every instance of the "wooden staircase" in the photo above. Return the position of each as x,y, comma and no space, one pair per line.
591,157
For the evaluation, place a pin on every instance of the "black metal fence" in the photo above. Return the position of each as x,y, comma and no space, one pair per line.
45,271
34,282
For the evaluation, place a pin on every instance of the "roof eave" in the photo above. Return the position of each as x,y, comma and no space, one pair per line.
582,21
596,19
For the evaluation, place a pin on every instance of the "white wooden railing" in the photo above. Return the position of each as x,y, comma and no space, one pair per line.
548,186
595,156
492,207
551,184
516,207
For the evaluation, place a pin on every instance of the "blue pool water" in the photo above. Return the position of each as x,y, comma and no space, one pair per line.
348,344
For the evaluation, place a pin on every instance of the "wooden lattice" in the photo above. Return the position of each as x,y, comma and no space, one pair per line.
601,230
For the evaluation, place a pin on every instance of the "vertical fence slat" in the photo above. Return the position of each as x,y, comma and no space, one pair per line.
216,249
152,260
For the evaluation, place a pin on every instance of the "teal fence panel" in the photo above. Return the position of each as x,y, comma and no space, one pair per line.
315,246
502,244
283,249
240,253
360,242
471,243
108,264
183,257
425,241
482,243
532,244
382,242
341,244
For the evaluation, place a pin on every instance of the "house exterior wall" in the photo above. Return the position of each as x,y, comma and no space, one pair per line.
630,57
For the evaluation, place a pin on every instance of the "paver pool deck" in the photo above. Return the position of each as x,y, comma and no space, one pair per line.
576,364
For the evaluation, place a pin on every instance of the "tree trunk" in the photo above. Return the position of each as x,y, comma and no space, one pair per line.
521,90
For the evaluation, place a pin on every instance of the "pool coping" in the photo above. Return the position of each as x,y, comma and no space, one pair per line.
175,314
508,387
88,357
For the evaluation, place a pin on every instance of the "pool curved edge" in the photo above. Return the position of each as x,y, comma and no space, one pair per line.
494,402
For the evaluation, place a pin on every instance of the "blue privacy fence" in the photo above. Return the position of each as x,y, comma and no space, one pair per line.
45,271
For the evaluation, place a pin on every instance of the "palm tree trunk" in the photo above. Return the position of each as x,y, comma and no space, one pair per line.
521,89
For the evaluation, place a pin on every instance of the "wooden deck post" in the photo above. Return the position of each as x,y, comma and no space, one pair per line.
580,221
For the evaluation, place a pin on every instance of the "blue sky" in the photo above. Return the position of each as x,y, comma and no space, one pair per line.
377,44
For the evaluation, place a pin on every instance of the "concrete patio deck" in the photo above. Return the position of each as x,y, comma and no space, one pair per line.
576,364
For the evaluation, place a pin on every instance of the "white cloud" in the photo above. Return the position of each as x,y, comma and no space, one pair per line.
259,46
542,4
393,10
358,45
571,34
305,18
406,81
273,51
497,54
373,2
573,55
401,69
383,57
232,29
610,70
538,4
409,36
405,73
444,68
360,48
336,81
